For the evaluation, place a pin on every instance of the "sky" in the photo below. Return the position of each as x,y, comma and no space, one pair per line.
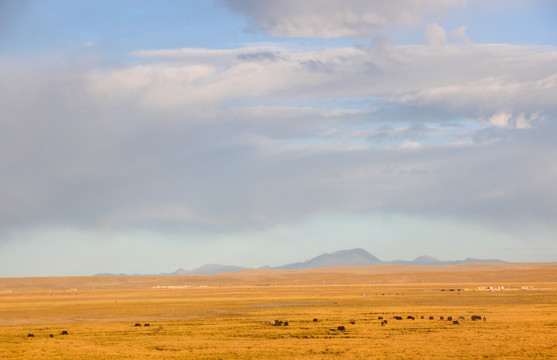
145,136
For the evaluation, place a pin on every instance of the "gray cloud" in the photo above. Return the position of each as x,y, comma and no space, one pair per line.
490,79
228,147
334,18
263,55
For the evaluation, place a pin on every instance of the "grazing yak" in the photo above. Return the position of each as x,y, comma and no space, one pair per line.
476,317
64,332
30,335
341,328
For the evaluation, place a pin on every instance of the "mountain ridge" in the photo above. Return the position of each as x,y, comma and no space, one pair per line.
352,257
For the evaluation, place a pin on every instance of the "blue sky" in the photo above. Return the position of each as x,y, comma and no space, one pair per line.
117,27
38,27
142,136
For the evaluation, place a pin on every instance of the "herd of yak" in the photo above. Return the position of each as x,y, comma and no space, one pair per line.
339,328
385,322
64,332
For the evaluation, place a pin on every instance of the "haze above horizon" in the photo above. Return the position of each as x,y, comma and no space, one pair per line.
140,137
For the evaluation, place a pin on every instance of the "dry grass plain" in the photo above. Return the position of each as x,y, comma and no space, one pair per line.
226,316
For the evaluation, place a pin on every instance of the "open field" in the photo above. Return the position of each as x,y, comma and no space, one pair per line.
227,316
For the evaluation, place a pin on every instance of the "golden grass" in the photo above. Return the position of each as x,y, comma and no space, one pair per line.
229,318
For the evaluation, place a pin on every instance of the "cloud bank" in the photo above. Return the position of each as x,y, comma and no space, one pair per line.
258,136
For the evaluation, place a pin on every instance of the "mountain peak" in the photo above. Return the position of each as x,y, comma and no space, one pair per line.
426,260
181,271
352,257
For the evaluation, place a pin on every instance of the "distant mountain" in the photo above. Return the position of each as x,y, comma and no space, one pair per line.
471,260
428,260
180,271
352,257
209,270
421,260
111,274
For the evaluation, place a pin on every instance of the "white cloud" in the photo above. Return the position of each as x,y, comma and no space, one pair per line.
460,34
500,119
474,80
523,123
518,121
435,35
410,145
489,95
335,18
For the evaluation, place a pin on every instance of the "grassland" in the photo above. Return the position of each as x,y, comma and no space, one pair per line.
227,316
